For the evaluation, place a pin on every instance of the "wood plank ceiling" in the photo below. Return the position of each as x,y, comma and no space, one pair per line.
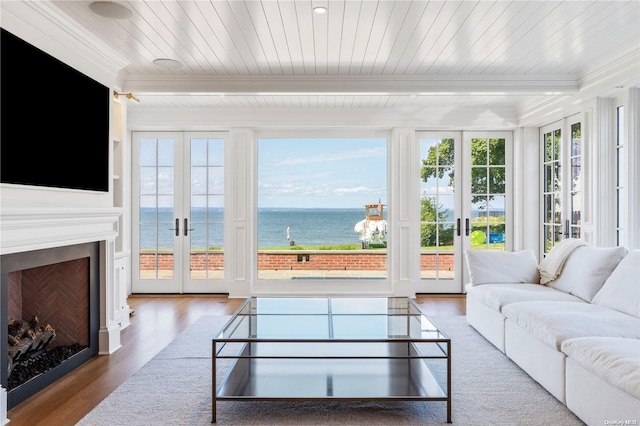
361,53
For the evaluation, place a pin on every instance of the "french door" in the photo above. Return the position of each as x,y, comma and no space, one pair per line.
464,203
178,212
562,190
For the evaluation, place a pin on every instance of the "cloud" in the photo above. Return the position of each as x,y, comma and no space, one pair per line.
437,190
338,156
315,190
356,190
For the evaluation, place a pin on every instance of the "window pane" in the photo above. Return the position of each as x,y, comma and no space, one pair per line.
216,180
548,208
497,180
317,198
165,152
479,180
165,180
148,152
216,152
479,205
148,180
198,152
548,147
198,208
198,180
479,153
557,177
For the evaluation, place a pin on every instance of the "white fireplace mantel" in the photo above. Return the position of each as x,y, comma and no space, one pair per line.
23,229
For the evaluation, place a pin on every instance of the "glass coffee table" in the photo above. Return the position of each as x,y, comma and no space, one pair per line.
332,348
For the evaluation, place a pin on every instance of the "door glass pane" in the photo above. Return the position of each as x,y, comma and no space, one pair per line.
206,236
552,225
488,199
322,211
437,208
156,209
576,180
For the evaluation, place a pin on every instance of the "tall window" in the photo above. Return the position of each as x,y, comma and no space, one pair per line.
437,208
463,203
552,172
322,208
563,185
178,212
619,171
576,180
156,212
488,194
207,208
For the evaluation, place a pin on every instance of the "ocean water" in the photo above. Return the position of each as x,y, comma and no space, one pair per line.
306,226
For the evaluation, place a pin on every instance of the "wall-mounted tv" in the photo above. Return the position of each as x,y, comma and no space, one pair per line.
54,128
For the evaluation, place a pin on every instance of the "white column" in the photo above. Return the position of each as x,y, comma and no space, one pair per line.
603,166
526,189
242,263
404,190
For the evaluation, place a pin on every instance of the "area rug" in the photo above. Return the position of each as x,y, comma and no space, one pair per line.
174,388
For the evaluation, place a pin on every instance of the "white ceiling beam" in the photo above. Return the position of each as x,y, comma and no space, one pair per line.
345,84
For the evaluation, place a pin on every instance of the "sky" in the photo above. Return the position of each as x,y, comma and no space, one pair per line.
293,172
321,172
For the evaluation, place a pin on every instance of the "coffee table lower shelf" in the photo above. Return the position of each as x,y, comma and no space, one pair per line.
334,378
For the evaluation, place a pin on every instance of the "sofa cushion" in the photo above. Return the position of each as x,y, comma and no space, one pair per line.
613,359
586,269
497,296
555,322
621,291
494,266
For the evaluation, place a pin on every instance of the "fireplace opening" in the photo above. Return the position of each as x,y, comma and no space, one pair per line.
51,301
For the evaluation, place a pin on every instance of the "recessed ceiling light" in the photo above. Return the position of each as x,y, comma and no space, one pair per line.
167,63
320,10
109,9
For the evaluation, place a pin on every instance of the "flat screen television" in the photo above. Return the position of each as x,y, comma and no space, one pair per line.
54,128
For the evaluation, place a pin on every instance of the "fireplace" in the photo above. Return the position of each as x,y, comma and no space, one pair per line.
35,230
60,288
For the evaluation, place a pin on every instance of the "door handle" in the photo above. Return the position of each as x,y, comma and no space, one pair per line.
177,228
458,226
466,227
186,227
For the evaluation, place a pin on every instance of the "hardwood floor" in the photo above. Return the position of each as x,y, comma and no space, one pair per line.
157,321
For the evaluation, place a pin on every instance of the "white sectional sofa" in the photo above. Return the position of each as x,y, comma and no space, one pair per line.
577,335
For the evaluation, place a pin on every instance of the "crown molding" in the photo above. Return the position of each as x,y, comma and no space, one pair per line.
351,84
624,71
605,81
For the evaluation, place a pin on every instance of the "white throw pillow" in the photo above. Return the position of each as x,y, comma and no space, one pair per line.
586,269
621,291
495,267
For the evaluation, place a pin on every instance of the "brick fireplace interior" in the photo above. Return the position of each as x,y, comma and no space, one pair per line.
60,287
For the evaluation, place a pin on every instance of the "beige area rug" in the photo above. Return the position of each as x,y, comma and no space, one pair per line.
174,388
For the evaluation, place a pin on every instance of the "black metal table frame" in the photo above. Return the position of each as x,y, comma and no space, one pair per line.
257,354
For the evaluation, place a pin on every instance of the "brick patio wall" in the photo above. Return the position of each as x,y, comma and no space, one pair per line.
324,260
